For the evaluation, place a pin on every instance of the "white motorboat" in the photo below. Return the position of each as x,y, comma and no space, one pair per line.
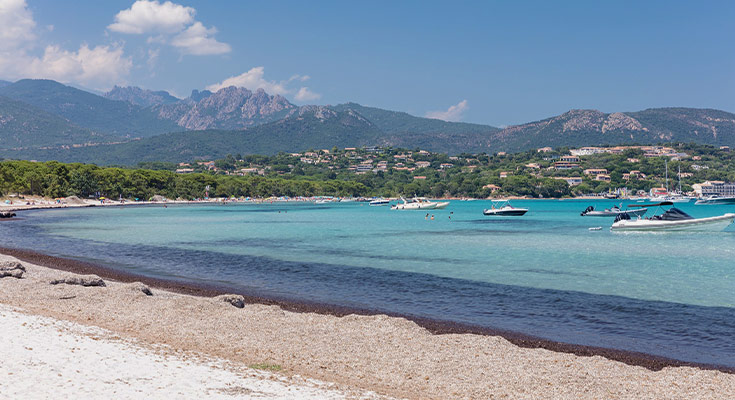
503,208
380,202
672,219
715,199
673,197
326,200
441,205
611,212
419,203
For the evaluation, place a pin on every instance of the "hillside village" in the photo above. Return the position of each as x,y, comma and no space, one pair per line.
614,171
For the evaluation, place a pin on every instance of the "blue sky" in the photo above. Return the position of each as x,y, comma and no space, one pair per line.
493,62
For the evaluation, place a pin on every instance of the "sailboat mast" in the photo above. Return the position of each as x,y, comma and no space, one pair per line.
666,164
679,178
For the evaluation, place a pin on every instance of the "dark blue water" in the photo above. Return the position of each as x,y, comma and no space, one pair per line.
688,332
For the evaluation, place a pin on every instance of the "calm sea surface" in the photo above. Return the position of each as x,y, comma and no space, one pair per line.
544,274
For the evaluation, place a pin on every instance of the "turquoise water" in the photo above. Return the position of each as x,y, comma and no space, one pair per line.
453,268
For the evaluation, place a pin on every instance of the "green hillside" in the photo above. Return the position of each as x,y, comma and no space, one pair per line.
22,125
88,110
401,129
396,122
577,128
295,133
689,124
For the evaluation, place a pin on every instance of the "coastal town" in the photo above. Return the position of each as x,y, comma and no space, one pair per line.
612,171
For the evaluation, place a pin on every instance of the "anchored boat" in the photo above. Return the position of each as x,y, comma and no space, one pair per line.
419,203
672,219
380,202
715,199
612,211
503,208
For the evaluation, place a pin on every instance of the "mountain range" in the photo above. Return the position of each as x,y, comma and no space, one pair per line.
43,119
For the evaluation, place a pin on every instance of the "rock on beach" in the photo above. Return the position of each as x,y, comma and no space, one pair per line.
12,269
82,280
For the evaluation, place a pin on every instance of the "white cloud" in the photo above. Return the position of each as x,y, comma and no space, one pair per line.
153,57
302,78
169,23
252,80
99,67
151,16
198,40
453,113
305,94
16,24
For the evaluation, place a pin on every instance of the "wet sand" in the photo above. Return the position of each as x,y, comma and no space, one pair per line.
355,349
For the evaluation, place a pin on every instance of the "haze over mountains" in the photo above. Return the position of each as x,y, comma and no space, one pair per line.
43,119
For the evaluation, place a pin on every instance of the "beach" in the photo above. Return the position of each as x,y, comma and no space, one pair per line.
359,356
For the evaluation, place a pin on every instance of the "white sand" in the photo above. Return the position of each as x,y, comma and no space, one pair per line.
42,357
390,356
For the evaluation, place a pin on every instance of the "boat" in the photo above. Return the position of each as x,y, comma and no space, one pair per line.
611,212
419,203
672,219
715,199
675,197
326,200
441,205
503,208
380,202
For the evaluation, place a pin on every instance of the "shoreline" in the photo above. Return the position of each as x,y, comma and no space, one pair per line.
435,327
47,204
375,356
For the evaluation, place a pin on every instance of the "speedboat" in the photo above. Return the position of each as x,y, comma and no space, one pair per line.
611,212
326,200
715,199
674,198
672,219
419,203
503,208
380,202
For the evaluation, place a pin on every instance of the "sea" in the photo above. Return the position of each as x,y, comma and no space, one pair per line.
545,274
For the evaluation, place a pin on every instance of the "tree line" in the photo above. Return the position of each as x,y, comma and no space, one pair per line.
54,180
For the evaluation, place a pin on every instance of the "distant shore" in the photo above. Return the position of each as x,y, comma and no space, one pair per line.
418,358
43,203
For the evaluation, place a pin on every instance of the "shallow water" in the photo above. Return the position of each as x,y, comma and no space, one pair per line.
545,274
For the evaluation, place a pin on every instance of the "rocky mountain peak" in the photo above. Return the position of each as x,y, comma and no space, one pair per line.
139,96
197,95
578,120
620,121
229,108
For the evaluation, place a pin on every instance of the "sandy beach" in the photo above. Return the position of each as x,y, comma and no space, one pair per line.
309,353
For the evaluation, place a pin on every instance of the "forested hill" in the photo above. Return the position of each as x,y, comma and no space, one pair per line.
49,114
315,127
88,110
25,126
591,127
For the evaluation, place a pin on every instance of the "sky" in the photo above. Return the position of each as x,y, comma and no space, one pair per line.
491,62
